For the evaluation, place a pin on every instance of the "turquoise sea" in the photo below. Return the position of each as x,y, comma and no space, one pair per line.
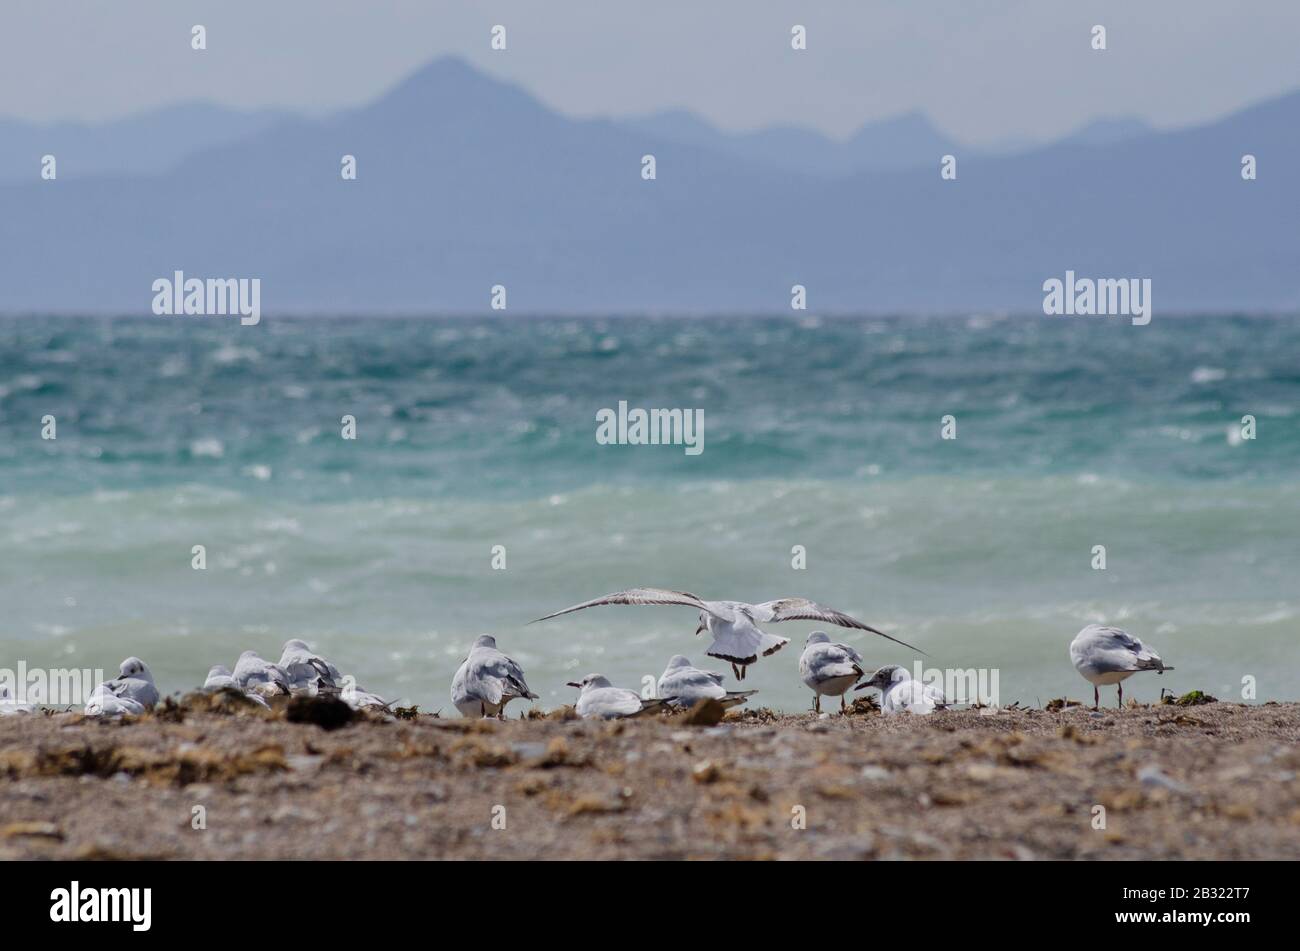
475,433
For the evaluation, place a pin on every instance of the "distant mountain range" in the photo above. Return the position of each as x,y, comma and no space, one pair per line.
465,182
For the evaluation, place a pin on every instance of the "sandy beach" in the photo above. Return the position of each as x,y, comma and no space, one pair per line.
1217,780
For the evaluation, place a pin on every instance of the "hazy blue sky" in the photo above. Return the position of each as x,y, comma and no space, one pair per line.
984,71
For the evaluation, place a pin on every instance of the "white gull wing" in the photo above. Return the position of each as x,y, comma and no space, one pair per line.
462,696
607,703
690,684
801,609
304,665
1098,650
111,698
219,677
490,662
646,596
822,661
252,671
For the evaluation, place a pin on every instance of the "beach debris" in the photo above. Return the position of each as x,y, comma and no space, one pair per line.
1061,703
487,681
733,625
1192,698
558,753
702,713
1152,776
864,705
705,772
328,713
592,804
42,830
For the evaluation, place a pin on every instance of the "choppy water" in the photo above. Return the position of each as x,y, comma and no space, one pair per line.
475,433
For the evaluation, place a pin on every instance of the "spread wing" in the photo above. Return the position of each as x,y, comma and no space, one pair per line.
638,596
801,609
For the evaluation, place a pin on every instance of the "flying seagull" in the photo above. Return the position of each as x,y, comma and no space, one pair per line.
734,624
1107,655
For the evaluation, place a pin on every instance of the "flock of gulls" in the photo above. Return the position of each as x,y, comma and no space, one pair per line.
488,679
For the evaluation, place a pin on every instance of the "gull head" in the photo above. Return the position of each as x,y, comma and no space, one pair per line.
818,637
678,660
219,670
591,680
484,640
247,655
887,675
134,667
704,623
296,644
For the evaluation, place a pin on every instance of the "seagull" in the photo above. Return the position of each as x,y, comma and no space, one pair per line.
487,681
133,691
219,678
110,700
1107,655
734,624
307,673
254,675
304,666
601,700
10,705
829,669
683,685
899,693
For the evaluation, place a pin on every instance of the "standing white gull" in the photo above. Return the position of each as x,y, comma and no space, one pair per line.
487,681
601,700
683,685
899,693
734,624
1107,655
829,669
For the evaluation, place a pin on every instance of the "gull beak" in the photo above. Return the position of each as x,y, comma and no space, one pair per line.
703,627
572,684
